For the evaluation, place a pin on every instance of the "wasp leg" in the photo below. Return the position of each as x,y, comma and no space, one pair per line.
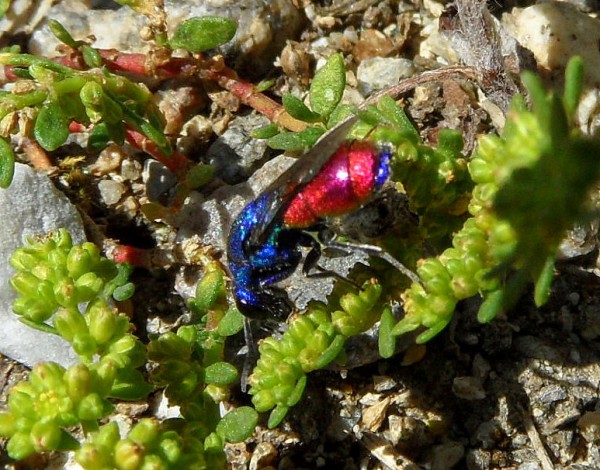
311,261
327,238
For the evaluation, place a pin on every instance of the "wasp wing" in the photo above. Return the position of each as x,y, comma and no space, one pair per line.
279,193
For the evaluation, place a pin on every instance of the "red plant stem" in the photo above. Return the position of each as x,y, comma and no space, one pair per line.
246,92
213,69
138,257
37,155
177,162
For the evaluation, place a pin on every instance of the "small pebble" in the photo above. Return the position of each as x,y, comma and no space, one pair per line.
378,73
468,388
110,191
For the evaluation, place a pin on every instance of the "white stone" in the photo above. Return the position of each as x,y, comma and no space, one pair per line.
31,206
555,32
378,73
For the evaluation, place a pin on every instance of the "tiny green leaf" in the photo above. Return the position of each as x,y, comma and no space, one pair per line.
51,126
328,85
265,132
200,175
396,115
231,323
203,33
573,84
277,416
124,292
264,85
294,141
104,132
340,113
238,424
544,282
220,373
61,33
7,163
387,341
298,109
491,306
91,56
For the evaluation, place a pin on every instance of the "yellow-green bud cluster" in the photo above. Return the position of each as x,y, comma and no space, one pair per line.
54,278
531,185
312,341
53,273
436,181
149,444
50,400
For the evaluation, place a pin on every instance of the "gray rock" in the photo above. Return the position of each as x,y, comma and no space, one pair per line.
378,73
31,206
236,152
263,27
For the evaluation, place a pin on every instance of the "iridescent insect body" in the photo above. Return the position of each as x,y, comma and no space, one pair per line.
266,239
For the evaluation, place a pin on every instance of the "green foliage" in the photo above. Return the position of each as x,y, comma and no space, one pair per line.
312,341
96,98
55,279
7,163
325,94
102,101
4,5
496,221
531,184
202,34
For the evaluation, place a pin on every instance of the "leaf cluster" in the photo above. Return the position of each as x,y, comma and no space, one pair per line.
55,280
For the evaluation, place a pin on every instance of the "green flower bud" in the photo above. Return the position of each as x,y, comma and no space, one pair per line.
107,436
21,403
57,260
44,271
84,345
169,345
128,351
48,376
282,391
46,436
92,407
188,333
33,309
20,446
171,448
288,371
89,285
69,322
24,283
128,455
92,457
64,292
290,347
62,239
145,433
265,380
78,380
8,424
102,322
104,377
79,261
264,400
301,329
92,97
21,260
